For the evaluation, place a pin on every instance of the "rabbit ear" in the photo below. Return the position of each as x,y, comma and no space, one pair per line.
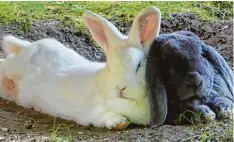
104,32
145,27
12,44
219,64
156,90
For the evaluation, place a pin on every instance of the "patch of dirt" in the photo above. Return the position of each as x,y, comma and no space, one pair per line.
17,123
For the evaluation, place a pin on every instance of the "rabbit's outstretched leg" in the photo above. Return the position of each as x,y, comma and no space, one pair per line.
8,86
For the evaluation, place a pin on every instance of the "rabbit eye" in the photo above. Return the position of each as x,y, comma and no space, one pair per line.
138,66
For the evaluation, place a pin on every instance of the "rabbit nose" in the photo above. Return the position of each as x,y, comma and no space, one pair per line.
121,91
193,79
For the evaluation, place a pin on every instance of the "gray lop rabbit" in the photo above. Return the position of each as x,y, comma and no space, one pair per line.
190,75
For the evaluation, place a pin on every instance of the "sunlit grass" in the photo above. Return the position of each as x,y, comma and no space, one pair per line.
120,12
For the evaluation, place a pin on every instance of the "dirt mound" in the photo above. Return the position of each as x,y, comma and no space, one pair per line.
17,123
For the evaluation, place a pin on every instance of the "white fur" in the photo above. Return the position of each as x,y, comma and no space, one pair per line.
58,81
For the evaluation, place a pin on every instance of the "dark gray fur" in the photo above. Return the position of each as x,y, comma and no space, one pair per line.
183,73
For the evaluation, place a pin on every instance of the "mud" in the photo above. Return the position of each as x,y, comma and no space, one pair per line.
17,123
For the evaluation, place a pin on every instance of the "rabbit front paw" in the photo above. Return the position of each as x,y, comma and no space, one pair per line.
209,116
115,121
223,107
206,113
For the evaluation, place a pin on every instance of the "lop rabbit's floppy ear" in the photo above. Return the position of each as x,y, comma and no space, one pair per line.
156,90
145,27
104,33
219,64
14,45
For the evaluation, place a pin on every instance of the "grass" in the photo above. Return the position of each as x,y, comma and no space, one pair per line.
195,120
209,129
120,12
209,134
58,138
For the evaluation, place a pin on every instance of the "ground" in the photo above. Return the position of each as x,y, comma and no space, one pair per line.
20,124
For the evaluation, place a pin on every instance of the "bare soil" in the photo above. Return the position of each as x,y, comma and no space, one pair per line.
20,124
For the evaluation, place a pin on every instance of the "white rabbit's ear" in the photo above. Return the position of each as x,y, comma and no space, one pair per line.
104,32
145,27
14,45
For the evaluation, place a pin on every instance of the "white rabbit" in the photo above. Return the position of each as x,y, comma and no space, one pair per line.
57,81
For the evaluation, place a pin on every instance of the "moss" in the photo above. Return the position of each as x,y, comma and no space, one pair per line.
120,12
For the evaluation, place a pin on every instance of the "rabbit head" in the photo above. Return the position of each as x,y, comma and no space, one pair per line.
125,53
185,68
